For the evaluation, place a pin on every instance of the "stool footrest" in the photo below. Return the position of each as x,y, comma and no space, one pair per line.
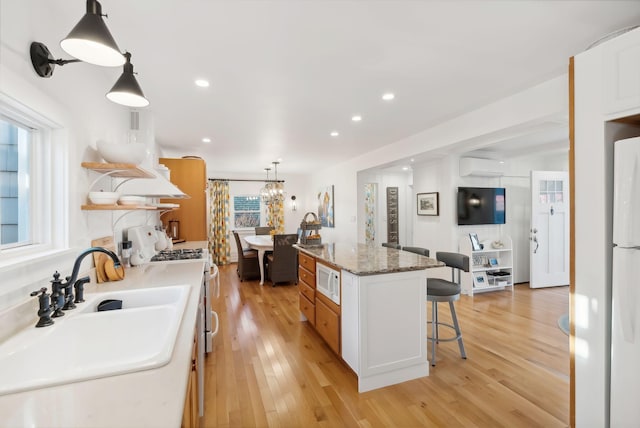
449,339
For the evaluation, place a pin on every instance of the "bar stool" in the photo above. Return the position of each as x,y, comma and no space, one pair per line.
392,245
441,290
417,250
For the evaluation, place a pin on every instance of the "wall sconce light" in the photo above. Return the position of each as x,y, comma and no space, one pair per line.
294,206
126,91
90,40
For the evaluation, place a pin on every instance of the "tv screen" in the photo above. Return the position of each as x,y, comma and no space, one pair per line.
481,205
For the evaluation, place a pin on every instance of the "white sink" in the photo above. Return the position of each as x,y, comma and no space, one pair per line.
89,345
142,297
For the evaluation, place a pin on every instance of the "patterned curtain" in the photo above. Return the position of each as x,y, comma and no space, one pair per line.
219,226
273,197
275,216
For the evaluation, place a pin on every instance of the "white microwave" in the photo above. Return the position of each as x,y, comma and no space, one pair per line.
328,282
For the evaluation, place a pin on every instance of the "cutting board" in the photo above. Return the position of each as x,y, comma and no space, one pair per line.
100,258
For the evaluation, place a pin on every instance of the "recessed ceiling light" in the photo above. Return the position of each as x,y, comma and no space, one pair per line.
206,140
335,133
405,168
356,118
202,83
388,96
413,160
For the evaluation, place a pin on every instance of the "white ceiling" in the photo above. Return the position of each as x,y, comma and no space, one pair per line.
284,74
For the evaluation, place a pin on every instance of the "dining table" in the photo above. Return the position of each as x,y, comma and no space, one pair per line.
261,243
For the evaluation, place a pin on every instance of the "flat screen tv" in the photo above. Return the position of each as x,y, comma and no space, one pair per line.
481,205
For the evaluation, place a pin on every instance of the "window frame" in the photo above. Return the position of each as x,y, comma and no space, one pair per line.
48,183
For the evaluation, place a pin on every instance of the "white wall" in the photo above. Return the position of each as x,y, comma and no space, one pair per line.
511,116
401,180
74,99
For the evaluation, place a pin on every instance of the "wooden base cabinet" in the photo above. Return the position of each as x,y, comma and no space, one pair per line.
320,311
328,322
190,417
307,287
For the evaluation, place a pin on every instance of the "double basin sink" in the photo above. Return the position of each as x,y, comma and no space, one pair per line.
89,344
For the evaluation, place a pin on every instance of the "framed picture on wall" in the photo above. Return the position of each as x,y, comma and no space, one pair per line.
427,203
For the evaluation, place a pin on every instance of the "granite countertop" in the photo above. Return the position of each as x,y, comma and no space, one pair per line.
363,259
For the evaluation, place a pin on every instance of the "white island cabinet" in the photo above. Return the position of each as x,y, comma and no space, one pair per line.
380,321
384,338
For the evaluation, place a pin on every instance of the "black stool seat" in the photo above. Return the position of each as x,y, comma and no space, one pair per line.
442,287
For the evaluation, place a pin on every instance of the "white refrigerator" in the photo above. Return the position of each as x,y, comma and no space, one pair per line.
625,322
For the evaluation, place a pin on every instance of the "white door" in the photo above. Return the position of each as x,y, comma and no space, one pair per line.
549,232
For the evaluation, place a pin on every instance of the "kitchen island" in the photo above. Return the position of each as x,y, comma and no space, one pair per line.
379,317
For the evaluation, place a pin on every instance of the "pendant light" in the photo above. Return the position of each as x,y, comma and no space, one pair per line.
127,91
265,194
90,40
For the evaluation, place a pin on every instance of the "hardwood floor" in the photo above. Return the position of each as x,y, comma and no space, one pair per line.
270,369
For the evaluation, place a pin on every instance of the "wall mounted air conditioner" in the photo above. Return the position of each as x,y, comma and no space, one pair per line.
481,167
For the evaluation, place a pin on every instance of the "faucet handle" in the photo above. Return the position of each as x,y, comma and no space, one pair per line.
79,287
44,311
57,299
43,290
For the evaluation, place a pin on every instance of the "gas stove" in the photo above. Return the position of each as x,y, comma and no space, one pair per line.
183,254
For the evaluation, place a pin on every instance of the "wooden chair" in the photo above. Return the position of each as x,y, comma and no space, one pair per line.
248,267
282,264
263,230
441,290
392,245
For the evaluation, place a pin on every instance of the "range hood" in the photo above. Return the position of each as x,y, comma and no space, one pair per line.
156,187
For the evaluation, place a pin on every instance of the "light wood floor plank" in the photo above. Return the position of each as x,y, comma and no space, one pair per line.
269,369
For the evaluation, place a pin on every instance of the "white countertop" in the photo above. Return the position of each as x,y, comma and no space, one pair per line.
152,398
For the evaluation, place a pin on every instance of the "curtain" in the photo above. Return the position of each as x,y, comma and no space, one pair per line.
275,215
219,226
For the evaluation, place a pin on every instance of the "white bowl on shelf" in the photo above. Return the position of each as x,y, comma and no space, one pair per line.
132,200
104,198
133,153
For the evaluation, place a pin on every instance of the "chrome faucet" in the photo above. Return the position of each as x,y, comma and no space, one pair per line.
52,306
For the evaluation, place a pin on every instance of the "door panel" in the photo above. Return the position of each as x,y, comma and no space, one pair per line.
549,232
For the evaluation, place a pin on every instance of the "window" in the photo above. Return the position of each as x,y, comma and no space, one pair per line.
246,211
33,193
15,205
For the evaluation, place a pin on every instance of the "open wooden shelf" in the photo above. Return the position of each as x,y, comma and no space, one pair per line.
128,170
93,207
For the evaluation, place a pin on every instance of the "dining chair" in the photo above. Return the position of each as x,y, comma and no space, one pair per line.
441,290
417,250
248,267
263,230
282,264
392,245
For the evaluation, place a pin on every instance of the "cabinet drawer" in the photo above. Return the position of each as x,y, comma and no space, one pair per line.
328,326
308,262
305,276
308,292
308,309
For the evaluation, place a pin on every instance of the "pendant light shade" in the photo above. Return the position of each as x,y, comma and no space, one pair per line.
91,41
127,91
